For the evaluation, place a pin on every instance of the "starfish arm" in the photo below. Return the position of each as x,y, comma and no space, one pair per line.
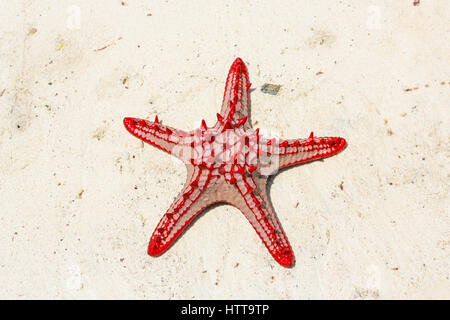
291,152
186,206
161,136
236,97
254,204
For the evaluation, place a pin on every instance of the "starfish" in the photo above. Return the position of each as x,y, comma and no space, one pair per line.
229,163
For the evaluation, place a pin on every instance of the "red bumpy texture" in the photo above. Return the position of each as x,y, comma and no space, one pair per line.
229,162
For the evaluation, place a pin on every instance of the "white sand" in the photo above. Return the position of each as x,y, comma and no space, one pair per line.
80,196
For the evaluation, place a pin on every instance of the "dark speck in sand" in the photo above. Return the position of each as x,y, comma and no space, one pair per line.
270,88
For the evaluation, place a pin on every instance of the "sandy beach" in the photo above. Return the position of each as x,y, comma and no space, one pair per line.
80,196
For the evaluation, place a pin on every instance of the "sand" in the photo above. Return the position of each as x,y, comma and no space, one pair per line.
80,196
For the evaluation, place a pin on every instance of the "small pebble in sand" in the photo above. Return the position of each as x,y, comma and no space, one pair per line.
270,88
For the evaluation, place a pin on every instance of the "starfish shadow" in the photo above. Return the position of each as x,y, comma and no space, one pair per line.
249,119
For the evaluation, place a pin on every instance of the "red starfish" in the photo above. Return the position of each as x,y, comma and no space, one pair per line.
229,162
